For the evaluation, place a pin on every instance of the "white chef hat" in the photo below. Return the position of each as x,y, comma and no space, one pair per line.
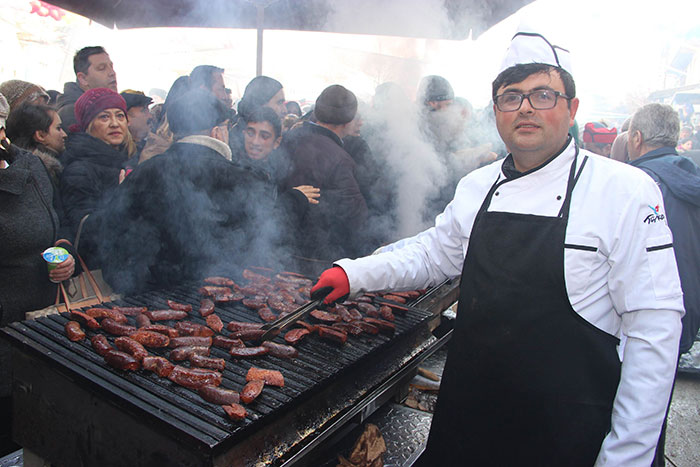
532,47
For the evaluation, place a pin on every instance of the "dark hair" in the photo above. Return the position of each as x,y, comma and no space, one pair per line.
81,61
293,107
203,75
257,93
25,120
520,72
195,111
266,114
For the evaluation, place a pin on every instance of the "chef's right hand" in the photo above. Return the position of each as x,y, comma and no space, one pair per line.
336,280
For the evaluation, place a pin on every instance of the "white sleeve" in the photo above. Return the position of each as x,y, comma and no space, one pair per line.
645,289
427,259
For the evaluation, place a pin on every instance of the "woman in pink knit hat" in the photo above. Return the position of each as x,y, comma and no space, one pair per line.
95,154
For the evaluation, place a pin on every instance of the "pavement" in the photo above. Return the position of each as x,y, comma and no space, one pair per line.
683,430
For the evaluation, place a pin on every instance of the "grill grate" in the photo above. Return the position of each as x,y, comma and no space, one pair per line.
181,410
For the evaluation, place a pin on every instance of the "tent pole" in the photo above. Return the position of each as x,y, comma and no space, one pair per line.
260,21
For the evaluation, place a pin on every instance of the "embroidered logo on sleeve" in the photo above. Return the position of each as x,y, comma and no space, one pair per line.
654,216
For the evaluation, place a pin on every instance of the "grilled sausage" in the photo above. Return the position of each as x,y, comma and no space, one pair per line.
335,335
132,347
394,298
84,319
150,338
217,395
281,350
254,303
184,352
343,312
228,297
214,322
117,329
248,334
100,344
348,328
235,411
194,378
190,340
206,307
159,365
162,315
186,328
241,326
386,313
217,280
121,360
130,310
226,342
202,361
73,331
271,377
246,352
178,306
366,327
211,290
385,327
142,320
325,316
310,327
266,314
293,336
368,309
161,328
252,390
100,313
255,277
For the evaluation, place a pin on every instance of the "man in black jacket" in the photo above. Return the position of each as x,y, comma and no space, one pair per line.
319,159
189,212
93,69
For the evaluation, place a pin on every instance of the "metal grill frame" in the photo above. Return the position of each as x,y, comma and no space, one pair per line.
51,393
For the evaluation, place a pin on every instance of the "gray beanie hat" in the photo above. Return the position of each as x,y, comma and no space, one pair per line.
4,110
336,105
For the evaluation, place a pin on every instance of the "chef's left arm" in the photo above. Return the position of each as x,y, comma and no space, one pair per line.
645,289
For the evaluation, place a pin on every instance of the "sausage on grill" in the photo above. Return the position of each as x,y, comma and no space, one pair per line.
235,411
73,331
252,390
201,361
159,365
121,360
117,329
245,352
150,338
163,315
271,377
132,347
218,395
100,344
194,378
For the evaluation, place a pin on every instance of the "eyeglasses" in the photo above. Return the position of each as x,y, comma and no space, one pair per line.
542,99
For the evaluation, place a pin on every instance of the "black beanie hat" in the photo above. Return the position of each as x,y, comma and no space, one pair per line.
336,105
257,93
195,111
435,88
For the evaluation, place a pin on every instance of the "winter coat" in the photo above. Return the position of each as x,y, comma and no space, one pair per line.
28,225
332,228
679,180
66,104
183,215
91,170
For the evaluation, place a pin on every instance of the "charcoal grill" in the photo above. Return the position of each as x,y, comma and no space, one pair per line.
72,409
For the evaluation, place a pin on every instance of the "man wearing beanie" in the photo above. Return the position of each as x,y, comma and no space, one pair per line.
187,213
318,159
93,69
566,340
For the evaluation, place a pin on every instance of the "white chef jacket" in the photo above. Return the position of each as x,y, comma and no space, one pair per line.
619,276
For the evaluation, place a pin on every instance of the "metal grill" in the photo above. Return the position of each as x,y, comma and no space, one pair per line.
181,412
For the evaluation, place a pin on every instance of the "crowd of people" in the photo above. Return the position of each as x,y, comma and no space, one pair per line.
154,195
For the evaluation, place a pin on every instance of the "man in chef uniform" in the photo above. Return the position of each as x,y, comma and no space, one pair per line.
570,308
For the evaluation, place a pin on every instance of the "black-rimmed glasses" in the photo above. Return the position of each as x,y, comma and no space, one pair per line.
542,99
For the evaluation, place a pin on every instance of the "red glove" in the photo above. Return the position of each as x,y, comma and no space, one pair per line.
335,280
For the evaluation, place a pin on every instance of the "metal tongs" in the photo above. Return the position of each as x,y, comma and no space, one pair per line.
275,327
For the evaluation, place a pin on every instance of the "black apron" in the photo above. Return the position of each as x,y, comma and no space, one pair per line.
527,381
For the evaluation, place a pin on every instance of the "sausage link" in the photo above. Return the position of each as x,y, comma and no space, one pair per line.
179,306
335,335
142,321
194,378
206,307
179,354
244,352
235,411
252,390
293,336
186,328
248,334
271,377
218,395
150,338
73,331
281,350
163,315
191,340
85,319
117,329
201,361
214,323
130,310
132,347
99,313
162,329
226,342
100,344
121,360
159,365
241,326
